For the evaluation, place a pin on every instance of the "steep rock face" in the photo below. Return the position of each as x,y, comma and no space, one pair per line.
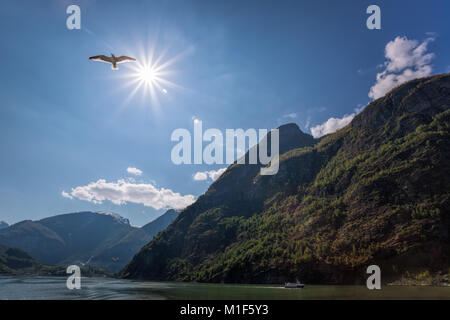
375,192
226,199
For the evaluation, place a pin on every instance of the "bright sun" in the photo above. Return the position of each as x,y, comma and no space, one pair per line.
148,75
151,75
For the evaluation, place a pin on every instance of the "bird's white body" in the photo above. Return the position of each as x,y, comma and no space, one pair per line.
113,60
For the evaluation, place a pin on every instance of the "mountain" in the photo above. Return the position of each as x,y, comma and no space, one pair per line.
130,244
97,239
14,261
3,225
162,222
374,192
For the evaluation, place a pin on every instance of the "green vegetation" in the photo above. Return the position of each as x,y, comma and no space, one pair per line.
14,261
375,192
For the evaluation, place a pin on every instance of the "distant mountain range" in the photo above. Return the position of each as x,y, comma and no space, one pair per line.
374,192
3,225
96,239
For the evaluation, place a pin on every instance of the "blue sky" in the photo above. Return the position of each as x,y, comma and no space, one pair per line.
66,122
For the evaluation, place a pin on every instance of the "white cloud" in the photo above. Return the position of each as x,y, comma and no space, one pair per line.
66,195
331,125
134,171
406,60
123,191
201,176
334,124
213,174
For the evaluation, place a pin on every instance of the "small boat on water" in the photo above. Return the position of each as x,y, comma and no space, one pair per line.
294,285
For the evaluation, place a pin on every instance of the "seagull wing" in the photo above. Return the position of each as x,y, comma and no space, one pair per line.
101,58
123,59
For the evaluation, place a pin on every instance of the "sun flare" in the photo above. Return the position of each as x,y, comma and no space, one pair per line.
148,75
151,76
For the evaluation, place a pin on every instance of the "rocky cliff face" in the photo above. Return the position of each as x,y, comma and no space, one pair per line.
375,192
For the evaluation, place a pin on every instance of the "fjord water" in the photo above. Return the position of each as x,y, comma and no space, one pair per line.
51,288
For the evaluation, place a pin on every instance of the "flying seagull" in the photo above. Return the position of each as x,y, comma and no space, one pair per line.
113,60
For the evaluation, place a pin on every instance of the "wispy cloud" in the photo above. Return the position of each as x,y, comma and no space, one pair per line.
124,191
308,123
290,115
213,175
287,117
134,171
66,195
406,60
